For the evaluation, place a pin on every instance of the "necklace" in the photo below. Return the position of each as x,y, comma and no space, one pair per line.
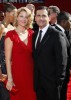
23,36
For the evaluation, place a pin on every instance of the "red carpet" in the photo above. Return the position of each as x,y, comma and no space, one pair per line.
69,90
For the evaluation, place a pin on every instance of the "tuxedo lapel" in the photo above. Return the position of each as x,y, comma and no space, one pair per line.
58,28
63,33
44,39
34,39
46,36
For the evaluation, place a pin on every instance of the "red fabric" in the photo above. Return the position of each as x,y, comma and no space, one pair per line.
69,90
22,67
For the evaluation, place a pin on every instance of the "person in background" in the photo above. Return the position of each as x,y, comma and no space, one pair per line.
9,17
32,8
50,58
1,16
10,14
53,13
19,61
63,24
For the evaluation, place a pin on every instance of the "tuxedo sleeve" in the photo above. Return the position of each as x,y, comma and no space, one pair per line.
61,57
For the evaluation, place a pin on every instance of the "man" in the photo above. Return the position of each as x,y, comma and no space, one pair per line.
32,8
63,23
50,57
53,13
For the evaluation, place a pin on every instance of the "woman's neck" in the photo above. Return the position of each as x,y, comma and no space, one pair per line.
6,22
20,29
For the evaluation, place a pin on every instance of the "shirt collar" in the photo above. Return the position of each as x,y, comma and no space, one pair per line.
62,29
44,29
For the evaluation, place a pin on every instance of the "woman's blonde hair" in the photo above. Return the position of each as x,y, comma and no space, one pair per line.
30,18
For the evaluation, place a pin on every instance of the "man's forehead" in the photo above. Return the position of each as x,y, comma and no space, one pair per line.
42,11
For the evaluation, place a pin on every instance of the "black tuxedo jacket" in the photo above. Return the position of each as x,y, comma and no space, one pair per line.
67,41
67,78
50,60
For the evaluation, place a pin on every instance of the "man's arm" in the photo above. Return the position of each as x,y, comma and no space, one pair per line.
61,57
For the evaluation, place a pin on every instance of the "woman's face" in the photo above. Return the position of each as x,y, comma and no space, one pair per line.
22,18
12,15
1,16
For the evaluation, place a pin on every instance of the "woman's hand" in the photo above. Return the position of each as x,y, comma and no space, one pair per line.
9,85
3,77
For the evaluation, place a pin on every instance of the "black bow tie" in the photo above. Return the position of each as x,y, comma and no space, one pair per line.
53,25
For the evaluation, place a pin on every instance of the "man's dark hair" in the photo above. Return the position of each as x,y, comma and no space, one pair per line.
42,8
8,7
55,9
63,16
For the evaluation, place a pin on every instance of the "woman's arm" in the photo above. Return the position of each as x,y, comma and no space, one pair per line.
8,53
0,62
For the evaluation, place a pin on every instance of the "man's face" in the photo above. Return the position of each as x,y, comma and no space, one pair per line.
52,16
42,18
68,24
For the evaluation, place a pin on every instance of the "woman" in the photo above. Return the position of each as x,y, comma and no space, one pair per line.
18,53
9,17
10,13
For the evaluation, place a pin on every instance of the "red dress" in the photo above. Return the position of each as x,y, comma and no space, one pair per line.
22,66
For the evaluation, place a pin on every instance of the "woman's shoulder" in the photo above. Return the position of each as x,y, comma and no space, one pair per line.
10,34
30,31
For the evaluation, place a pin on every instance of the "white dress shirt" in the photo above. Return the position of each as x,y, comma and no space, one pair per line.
62,29
43,33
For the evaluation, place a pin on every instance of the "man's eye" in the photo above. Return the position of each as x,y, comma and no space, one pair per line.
44,16
38,15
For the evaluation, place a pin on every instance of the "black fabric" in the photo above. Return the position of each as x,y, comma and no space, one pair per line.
53,24
4,93
2,56
35,26
44,94
63,94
